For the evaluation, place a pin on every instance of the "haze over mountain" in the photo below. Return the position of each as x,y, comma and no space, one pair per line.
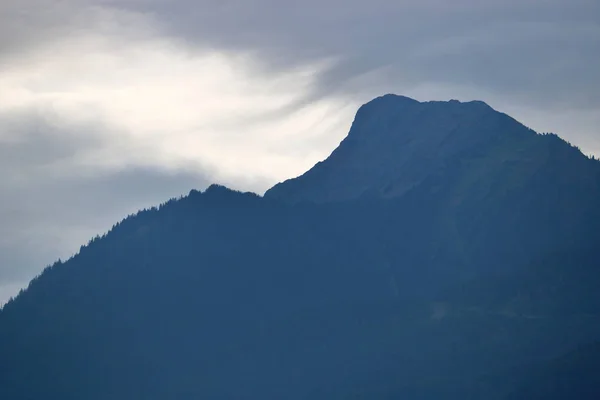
443,250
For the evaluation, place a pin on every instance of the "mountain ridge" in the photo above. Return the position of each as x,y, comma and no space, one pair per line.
387,135
395,142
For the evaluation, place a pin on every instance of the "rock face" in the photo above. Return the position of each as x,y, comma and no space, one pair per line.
395,143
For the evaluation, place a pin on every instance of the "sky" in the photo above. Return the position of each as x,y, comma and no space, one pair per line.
109,106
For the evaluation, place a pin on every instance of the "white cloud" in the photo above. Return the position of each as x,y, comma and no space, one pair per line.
172,107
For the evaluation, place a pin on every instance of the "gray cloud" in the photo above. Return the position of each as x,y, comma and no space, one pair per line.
51,205
541,52
27,25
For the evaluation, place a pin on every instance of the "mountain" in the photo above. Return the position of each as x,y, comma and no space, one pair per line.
216,295
396,144
443,250
474,167
573,375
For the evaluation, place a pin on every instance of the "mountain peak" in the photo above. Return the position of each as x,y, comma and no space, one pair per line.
216,189
388,102
397,100
391,97
396,142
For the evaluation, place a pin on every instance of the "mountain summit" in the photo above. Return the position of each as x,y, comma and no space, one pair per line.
396,143
469,165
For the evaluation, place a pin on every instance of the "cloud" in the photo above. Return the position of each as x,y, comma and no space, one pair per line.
537,57
110,105
182,107
52,201
541,55
531,49
537,51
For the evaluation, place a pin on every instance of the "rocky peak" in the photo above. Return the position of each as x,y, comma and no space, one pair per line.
395,142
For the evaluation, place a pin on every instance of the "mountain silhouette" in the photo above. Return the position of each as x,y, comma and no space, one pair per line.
439,252
571,376
395,144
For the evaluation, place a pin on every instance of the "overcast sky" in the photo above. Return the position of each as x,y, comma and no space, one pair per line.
108,106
